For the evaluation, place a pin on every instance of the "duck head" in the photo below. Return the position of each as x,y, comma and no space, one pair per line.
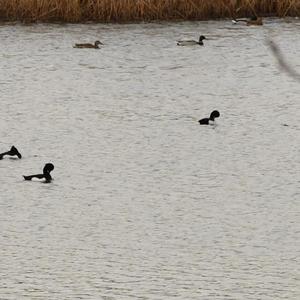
97,43
14,151
48,168
201,38
214,114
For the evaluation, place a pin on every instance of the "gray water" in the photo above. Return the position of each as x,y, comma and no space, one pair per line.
145,202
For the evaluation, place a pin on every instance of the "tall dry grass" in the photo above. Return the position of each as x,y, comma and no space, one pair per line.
138,10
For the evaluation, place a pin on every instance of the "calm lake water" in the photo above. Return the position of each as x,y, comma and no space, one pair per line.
146,203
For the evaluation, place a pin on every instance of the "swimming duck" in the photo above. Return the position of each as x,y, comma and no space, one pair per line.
192,42
12,152
253,21
211,119
88,45
46,174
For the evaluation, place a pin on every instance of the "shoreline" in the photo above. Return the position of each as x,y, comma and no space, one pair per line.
87,22
132,11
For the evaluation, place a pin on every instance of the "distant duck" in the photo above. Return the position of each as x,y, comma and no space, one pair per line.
12,152
192,42
253,21
46,174
211,119
88,45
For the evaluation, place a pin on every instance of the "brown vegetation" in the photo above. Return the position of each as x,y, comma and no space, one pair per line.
141,10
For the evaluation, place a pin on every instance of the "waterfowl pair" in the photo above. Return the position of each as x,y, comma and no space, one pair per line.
46,171
209,121
88,45
252,21
12,152
192,42
45,176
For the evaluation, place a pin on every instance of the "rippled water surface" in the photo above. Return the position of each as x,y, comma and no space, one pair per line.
146,203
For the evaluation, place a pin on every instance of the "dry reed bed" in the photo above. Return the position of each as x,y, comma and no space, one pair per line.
141,10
